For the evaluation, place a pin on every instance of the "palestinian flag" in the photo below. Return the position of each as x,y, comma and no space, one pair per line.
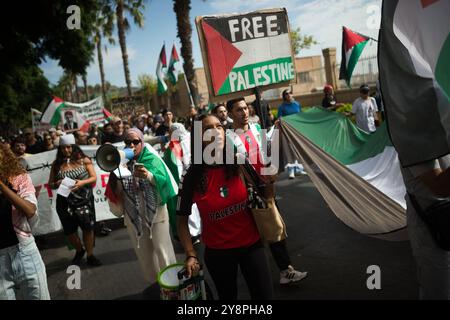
52,114
352,46
247,50
414,64
164,181
58,111
173,157
162,63
357,173
171,71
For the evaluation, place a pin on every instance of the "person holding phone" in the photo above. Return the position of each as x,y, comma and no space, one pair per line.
142,200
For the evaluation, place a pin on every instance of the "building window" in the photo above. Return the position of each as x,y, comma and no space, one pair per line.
304,77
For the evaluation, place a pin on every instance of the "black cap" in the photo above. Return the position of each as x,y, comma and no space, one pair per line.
364,88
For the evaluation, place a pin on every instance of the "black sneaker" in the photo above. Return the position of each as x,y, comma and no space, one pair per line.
78,257
93,261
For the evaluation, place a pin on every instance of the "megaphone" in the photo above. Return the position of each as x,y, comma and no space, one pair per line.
109,157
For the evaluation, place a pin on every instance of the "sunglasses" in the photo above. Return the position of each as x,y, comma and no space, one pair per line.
134,142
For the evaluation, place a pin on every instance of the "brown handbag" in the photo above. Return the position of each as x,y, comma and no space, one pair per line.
262,204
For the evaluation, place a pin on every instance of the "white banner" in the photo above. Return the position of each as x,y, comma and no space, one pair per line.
38,167
91,111
36,122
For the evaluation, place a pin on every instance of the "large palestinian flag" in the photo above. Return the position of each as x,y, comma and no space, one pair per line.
414,64
247,50
353,45
357,173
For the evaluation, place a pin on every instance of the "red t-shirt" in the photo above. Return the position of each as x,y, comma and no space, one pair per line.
226,220
252,147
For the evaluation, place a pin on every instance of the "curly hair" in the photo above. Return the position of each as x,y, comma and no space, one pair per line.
10,166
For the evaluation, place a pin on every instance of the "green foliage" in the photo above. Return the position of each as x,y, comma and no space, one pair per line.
148,86
300,41
345,108
32,31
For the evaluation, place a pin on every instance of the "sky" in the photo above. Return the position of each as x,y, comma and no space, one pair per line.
322,19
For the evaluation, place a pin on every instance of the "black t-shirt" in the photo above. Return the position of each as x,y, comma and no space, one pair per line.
162,130
8,237
112,138
329,101
35,148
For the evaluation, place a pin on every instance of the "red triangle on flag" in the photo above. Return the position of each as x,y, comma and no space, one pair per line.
352,38
162,56
222,56
57,99
174,56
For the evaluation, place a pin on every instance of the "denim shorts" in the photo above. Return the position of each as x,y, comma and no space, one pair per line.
21,267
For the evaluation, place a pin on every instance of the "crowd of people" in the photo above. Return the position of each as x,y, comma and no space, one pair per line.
160,202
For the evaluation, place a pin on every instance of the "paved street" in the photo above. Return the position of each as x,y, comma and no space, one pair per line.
335,257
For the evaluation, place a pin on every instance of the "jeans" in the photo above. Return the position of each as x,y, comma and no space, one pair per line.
21,267
433,263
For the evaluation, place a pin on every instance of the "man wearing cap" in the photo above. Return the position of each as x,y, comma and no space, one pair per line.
70,124
118,131
365,108
289,105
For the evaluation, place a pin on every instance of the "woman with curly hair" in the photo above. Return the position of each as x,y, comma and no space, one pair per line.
78,209
21,264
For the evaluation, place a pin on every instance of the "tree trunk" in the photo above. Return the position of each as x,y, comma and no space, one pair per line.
123,46
77,94
100,65
86,93
182,9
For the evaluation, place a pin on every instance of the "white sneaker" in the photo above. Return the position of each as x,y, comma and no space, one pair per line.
292,175
291,275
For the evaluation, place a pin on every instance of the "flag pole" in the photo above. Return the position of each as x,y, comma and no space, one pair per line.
189,89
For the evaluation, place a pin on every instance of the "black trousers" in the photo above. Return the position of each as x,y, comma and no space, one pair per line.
223,268
280,254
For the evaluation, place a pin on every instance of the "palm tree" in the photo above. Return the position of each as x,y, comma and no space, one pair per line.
86,93
182,9
104,26
75,83
135,9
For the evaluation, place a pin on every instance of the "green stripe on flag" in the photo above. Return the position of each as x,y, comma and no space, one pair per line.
356,53
162,87
349,144
266,72
443,68
56,118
